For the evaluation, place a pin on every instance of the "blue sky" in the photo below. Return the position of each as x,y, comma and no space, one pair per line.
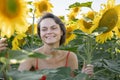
60,6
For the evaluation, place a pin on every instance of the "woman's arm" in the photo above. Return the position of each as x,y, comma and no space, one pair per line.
26,65
73,61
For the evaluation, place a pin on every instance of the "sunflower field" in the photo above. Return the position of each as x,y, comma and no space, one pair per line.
94,37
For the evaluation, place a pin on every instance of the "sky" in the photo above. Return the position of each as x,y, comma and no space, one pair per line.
61,6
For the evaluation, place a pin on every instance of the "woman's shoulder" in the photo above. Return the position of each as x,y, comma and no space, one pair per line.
37,49
71,54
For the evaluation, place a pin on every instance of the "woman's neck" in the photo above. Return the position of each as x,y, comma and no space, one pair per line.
50,49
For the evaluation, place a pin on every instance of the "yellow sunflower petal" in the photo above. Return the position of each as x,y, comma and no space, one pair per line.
69,33
90,15
110,3
117,31
15,42
104,36
7,30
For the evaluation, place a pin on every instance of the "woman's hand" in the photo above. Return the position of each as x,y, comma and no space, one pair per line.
3,44
88,69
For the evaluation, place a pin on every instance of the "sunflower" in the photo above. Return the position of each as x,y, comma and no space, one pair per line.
69,32
17,41
117,31
90,15
73,13
42,6
12,17
109,17
84,25
32,29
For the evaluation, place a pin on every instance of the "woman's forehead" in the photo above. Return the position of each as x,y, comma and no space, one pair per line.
47,22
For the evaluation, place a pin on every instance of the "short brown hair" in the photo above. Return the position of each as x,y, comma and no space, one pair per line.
58,21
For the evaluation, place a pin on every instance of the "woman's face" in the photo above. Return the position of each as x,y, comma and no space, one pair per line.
50,32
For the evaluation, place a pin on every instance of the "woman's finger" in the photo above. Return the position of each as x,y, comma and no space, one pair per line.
3,40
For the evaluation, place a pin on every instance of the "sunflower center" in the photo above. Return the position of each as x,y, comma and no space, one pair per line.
76,9
87,25
109,19
69,30
9,8
43,6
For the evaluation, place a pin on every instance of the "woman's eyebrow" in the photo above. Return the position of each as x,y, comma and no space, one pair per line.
54,25
44,27
50,26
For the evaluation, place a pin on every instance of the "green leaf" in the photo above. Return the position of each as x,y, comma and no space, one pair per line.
81,76
25,75
63,73
21,54
3,53
111,65
77,4
38,55
69,48
18,54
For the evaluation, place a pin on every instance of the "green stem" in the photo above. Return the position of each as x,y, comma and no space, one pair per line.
33,26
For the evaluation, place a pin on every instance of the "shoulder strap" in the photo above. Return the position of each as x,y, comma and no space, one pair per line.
66,64
36,67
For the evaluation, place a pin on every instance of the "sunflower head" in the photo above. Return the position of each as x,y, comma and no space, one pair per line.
69,32
84,25
42,6
32,29
9,8
18,41
71,16
73,13
109,19
76,9
13,14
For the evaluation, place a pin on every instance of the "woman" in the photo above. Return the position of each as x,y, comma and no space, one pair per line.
52,32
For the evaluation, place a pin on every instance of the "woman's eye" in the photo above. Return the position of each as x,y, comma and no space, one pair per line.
54,27
43,29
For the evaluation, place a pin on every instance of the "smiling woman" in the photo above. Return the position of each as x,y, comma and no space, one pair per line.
52,32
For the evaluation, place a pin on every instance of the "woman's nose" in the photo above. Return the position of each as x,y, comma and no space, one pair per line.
49,31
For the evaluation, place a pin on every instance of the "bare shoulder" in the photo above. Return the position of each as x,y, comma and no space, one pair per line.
72,55
72,60
26,65
38,50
